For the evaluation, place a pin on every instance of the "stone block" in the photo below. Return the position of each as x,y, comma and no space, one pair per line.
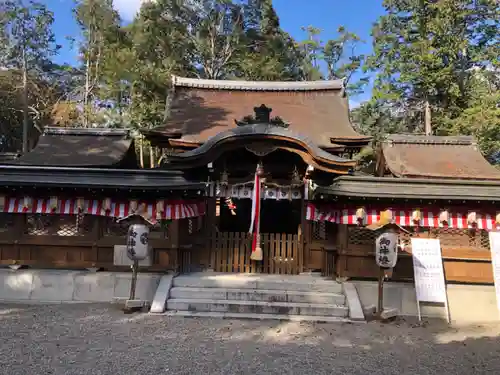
145,287
353,302
389,314
15,285
53,286
162,293
94,287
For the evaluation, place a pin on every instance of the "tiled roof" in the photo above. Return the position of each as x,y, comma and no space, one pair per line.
60,147
337,84
203,108
417,156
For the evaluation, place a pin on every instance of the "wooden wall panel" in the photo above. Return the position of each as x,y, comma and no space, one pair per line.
462,261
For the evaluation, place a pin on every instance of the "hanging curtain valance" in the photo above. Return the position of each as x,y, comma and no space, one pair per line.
157,210
433,218
245,191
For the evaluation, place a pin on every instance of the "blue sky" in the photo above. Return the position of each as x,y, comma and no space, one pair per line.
356,15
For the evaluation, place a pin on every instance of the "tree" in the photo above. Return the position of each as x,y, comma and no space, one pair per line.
28,43
268,53
100,27
216,32
342,60
425,53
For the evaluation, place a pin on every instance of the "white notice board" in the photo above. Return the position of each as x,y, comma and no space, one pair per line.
495,260
429,273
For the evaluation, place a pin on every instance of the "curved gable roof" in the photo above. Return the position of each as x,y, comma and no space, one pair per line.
282,138
201,108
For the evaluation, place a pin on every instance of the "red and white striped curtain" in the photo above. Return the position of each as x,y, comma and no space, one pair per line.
428,217
171,210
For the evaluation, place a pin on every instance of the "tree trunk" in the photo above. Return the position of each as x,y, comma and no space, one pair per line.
25,106
87,91
151,157
141,151
428,118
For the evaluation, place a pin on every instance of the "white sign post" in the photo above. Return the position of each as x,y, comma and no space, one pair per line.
495,260
429,273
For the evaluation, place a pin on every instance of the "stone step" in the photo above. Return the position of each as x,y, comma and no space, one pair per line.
257,307
264,282
257,295
227,315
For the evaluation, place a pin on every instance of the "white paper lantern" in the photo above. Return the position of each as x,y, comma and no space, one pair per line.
386,254
138,242
472,218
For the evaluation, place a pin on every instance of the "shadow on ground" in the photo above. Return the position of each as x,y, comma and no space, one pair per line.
99,339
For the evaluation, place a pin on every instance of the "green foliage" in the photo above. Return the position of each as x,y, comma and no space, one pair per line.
27,44
338,55
434,51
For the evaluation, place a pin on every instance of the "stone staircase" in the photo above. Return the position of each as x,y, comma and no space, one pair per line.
301,298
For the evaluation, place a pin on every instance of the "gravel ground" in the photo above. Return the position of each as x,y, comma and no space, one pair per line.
101,340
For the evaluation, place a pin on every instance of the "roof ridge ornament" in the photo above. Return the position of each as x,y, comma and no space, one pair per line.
262,116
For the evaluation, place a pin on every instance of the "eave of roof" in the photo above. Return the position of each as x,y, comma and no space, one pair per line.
436,157
80,147
52,130
121,179
427,189
281,137
415,139
258,85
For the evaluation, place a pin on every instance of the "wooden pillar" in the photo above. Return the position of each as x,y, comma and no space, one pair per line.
305,241
174,242
342,243
210,229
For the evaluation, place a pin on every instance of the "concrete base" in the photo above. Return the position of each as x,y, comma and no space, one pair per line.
469,304
257,307
257,297
162,293
230,315
56,286
355,309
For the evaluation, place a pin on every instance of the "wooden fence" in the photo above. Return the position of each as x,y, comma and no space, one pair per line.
466,254
70,242
230,252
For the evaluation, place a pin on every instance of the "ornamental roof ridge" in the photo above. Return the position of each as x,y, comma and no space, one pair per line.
460,140
338,84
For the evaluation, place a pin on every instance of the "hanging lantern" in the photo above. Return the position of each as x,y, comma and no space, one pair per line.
133,206
224,178
138,242
444,217
386,250
416,215
360,215
296,177
107,204
260,169
472,218
160,208
27,203
53,203
386,217
80,204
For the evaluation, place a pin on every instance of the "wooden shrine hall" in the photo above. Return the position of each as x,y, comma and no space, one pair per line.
68,202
